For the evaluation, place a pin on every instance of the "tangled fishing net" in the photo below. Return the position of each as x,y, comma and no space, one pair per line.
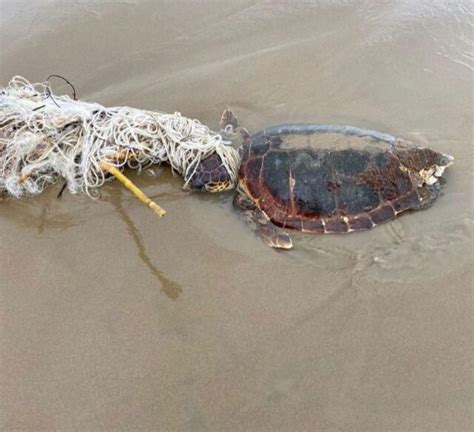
45,137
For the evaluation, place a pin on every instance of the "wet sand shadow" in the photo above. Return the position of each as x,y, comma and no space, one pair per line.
170,288
41,213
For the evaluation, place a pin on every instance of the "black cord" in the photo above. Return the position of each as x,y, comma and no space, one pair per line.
64,79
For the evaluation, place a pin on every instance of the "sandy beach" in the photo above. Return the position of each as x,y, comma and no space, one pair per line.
113,319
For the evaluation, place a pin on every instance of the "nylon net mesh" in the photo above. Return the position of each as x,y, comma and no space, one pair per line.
46,137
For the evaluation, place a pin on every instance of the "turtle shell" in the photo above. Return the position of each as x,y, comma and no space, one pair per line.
331,179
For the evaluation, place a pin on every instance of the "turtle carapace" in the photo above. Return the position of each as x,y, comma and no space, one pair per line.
327,179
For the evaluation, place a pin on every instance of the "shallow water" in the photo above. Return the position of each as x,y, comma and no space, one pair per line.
115,319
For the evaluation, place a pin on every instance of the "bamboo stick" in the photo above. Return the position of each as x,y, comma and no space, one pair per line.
135,190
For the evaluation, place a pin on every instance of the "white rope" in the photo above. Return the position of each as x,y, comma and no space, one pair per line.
44,137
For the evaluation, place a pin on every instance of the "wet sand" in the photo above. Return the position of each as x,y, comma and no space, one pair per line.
113,319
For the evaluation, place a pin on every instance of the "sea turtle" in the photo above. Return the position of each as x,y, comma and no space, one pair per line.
324,179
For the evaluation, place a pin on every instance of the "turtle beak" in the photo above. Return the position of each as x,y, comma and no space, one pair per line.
192,187
195,183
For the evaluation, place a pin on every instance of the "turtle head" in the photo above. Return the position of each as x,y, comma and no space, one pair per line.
211,175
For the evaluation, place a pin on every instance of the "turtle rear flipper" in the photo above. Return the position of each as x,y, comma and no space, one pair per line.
272,235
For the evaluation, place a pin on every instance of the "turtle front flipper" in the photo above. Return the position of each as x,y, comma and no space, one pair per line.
264,228
229,121
230,126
